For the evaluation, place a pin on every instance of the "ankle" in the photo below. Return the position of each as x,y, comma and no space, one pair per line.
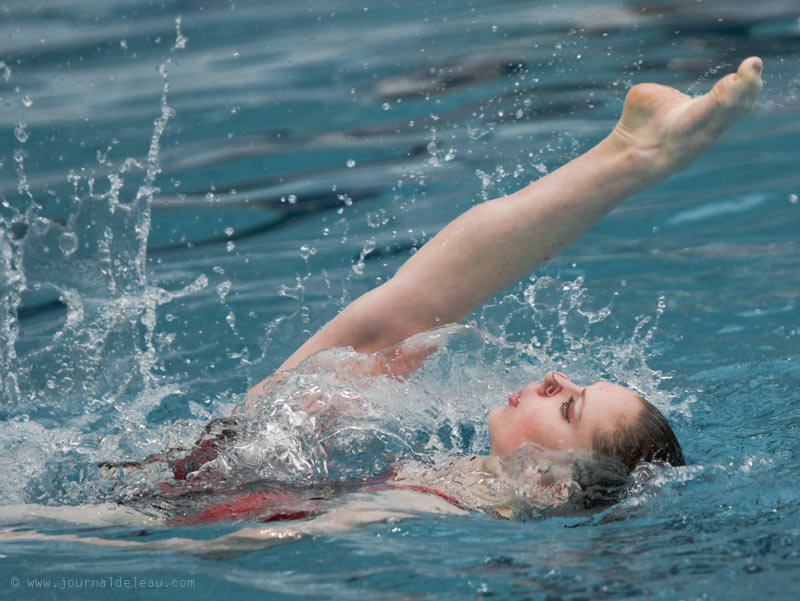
651,163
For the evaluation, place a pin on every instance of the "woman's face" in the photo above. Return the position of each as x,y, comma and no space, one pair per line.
560,415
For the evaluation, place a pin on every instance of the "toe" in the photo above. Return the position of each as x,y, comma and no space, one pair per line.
747,82
738,91
750,69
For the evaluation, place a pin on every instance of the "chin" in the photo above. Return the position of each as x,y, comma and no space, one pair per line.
490,422
494,415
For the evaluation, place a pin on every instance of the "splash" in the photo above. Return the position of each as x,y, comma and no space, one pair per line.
343,417
95,372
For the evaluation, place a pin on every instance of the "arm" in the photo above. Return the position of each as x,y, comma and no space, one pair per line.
495,244
357,512
479,255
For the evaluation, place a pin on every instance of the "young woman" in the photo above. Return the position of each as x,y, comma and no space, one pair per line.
478,255
499,242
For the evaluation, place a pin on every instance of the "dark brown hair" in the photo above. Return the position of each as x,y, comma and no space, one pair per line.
647,437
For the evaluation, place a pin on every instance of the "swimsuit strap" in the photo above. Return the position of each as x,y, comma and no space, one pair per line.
422,489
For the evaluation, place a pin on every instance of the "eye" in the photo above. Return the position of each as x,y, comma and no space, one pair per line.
565,408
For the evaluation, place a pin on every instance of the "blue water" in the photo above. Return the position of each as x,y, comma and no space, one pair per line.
307,149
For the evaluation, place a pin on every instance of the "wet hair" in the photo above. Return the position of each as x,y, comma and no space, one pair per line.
601,481
591,481
648,437
603,476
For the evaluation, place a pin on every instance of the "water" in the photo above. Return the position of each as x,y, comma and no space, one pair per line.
188,191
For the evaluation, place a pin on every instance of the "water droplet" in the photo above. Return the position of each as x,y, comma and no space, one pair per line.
21,133
494,28
229,231
793,198
230,246
123,43
40,225
67,243
27,102
223,288
377,218
180,39
351,163
386,106
291,199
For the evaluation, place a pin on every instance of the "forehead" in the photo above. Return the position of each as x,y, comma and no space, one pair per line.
611,404
610,389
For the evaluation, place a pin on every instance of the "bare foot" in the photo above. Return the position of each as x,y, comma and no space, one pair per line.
670,129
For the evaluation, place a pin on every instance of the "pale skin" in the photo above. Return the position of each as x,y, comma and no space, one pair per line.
480,254
497,243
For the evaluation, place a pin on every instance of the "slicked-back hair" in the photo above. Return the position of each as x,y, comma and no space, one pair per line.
648,437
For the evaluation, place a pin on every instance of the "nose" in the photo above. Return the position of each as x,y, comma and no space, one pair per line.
552,384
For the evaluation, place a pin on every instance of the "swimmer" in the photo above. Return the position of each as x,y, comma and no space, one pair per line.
485,250
497,243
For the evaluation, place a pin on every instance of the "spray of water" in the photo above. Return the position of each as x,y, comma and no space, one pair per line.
95,374
332,420
85,394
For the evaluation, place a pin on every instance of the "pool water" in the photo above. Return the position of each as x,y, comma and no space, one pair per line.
188,191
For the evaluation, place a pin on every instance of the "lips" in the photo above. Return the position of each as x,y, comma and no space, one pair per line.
513,399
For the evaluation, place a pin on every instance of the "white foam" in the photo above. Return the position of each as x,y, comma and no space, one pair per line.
718,209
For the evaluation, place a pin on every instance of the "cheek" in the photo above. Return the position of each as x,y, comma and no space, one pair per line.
546,429
508,429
